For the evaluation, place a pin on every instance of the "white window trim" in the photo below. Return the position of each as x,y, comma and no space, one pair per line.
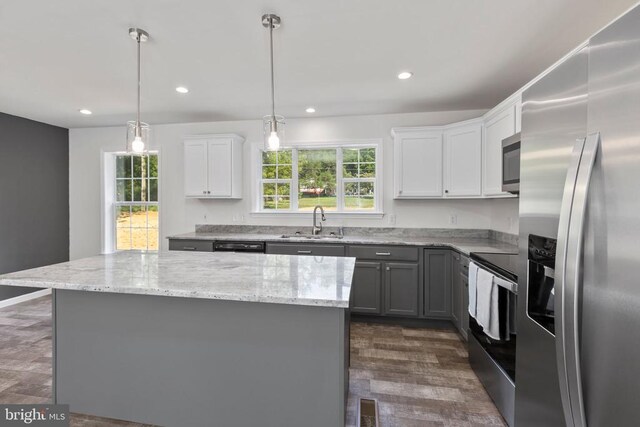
256,179
107,205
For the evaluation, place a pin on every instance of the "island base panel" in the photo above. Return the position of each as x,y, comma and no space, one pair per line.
194,362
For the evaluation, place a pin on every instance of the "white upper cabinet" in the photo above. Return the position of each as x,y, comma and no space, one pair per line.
463,160
498,125
213,166
195,168
417,163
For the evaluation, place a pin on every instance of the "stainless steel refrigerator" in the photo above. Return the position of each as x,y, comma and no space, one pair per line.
578,351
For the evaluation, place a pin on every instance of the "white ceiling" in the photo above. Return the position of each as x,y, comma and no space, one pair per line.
341,56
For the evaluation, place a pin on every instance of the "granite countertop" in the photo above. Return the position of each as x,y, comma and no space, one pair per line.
473,242
281,279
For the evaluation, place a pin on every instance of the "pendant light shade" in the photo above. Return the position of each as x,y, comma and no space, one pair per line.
137,131
272,124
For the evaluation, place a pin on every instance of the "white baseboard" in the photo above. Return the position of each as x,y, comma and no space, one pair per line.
25,297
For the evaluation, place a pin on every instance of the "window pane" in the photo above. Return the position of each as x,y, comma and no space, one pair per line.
137,190
350,170
153,190
123,190
139,239
268,189
283,190
123,216
123,167
284,157
268,202
350,155
367,155
284,172
123,239
269,172
152,216
269,157
367,170
359,195
153,166
317,179
153,236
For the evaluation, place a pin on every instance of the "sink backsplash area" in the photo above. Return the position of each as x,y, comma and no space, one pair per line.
360,231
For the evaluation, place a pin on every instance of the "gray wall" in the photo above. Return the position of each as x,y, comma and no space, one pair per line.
34,196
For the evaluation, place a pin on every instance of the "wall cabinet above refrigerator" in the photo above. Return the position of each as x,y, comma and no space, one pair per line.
213,166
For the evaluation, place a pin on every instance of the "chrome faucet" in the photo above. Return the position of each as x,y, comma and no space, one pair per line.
317,228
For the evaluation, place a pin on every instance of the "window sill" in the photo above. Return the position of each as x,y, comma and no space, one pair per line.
354,215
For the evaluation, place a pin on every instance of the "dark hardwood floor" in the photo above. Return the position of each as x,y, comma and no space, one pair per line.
420,377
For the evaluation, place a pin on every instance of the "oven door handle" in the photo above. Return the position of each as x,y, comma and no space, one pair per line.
569,278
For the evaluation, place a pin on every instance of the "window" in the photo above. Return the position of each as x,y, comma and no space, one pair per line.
136,202
338,178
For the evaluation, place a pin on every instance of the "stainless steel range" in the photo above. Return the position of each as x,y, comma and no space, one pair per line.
492,344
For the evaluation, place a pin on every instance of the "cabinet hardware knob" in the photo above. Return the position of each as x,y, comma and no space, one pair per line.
388,268
204,191
446,191
208,192
378,268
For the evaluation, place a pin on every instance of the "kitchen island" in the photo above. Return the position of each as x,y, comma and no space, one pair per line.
199,339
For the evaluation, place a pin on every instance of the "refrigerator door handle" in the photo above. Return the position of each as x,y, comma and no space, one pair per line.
569,268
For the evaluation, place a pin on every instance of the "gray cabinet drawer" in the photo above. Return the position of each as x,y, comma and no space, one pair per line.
190,245
312,249
395,253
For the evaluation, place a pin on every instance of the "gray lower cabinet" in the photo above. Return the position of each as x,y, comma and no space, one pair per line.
191,245
437,283
313,249
456,290
401,283
366,288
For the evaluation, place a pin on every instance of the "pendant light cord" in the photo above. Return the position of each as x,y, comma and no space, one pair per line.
138,133
273,101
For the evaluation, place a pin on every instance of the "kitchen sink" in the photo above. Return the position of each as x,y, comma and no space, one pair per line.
310,236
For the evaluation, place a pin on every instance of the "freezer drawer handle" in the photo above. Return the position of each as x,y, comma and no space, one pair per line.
568,277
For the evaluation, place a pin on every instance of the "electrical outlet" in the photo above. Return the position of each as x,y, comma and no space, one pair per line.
453,219
391,219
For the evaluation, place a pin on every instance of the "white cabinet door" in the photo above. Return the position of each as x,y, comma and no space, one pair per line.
195,168
497,128
220,167
418,164
463,161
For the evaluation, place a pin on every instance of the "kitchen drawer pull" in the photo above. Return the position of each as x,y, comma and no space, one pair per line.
188,248
383,253
304,252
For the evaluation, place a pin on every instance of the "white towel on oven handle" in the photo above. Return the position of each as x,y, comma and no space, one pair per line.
473,278
487,307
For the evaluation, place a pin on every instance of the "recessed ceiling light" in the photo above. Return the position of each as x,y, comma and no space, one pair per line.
310,110
405,75
85,112
182,89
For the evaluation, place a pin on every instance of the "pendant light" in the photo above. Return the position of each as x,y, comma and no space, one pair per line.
273,125
137,131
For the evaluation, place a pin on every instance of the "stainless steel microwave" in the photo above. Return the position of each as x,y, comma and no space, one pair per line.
511,164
